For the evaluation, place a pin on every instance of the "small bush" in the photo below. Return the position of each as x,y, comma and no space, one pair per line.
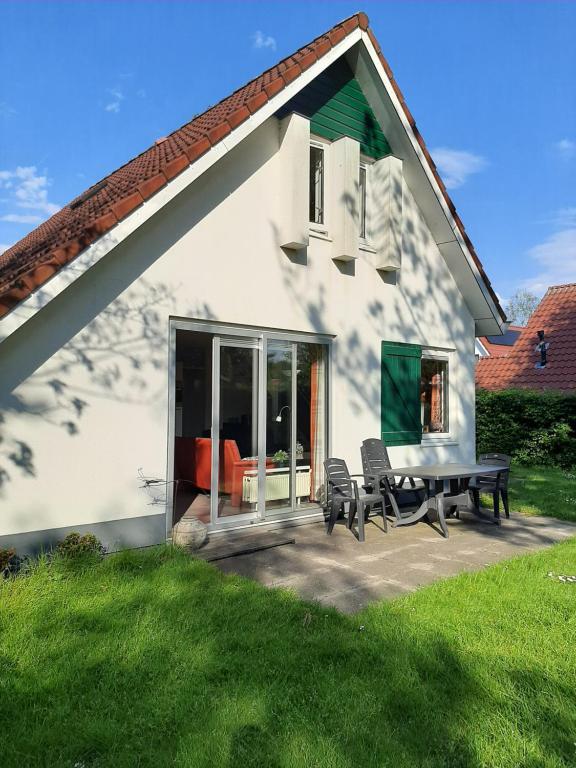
534,427
10,562
77,547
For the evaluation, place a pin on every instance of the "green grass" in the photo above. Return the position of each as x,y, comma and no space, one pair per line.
543,491
154,659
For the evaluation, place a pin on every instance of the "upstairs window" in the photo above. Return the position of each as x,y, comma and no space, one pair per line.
316,185
362,201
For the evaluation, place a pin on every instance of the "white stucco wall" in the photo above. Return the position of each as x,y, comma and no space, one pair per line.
84,385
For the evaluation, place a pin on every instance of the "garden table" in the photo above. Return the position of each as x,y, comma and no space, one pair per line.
446,486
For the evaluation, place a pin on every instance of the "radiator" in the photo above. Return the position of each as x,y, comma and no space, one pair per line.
277,486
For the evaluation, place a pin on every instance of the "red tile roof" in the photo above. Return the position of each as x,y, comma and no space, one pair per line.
556,316
34,259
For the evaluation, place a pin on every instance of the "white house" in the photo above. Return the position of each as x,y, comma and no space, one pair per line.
274,282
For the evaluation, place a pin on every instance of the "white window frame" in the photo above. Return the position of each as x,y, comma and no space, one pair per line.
450,437
321,230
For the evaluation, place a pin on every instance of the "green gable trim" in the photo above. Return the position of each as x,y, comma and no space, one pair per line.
400,393
336,107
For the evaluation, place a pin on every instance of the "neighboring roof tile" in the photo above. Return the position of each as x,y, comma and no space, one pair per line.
556,316
30,262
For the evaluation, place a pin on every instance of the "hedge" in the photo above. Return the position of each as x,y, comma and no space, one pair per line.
537,428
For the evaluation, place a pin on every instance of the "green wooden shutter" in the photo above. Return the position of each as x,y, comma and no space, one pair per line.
337,106
400,393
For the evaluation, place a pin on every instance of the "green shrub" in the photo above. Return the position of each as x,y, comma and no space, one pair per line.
6,556
10,562
537,428
77,547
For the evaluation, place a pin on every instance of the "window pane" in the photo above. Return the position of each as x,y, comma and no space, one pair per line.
362,201
434,395
238,455
316,185
279,424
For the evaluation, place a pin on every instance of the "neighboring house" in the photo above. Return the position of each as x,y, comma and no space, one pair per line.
270,284
521,366
498,346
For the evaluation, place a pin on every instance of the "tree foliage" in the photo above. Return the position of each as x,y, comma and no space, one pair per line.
520,306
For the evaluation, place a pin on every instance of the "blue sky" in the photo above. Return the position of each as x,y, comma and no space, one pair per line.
87,85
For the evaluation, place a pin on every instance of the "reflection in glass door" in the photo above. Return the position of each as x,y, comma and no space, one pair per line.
296,407
279,424
236,417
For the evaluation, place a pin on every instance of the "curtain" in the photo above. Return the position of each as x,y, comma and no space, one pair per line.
436,416
317,425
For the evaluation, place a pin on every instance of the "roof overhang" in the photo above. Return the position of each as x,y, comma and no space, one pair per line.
420,176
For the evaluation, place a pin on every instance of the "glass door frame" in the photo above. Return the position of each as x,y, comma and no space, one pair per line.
258,338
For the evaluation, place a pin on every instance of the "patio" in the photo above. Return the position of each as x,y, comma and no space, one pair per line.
339,571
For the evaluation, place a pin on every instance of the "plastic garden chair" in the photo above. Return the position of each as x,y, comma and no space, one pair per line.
343,490
376,463
495,486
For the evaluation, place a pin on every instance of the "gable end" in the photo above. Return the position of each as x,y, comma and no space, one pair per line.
336,106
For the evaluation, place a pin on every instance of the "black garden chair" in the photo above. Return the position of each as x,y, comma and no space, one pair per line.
343,490
376,463
496,486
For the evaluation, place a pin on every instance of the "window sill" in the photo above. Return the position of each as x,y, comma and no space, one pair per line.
362,246
320,235
439,439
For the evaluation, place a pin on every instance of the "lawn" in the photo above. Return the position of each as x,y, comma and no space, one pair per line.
151,658
543,491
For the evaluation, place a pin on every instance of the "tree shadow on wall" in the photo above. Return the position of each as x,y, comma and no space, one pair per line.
112,358
402,310
112,324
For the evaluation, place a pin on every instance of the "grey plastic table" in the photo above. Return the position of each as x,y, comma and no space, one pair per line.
446,486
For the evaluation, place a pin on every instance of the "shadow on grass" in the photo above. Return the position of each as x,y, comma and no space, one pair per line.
152,658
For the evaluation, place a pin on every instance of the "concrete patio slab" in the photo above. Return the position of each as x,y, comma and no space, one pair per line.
337,570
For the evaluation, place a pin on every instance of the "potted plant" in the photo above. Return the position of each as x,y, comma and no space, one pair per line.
280,458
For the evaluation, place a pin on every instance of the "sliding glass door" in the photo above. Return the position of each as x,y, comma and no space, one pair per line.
235,422
251,425
295,425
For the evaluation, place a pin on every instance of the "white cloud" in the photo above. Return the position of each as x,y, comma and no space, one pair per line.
24,189
21,218
263,41
556,259
566,148
455,165
4,247
117,98
564,218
